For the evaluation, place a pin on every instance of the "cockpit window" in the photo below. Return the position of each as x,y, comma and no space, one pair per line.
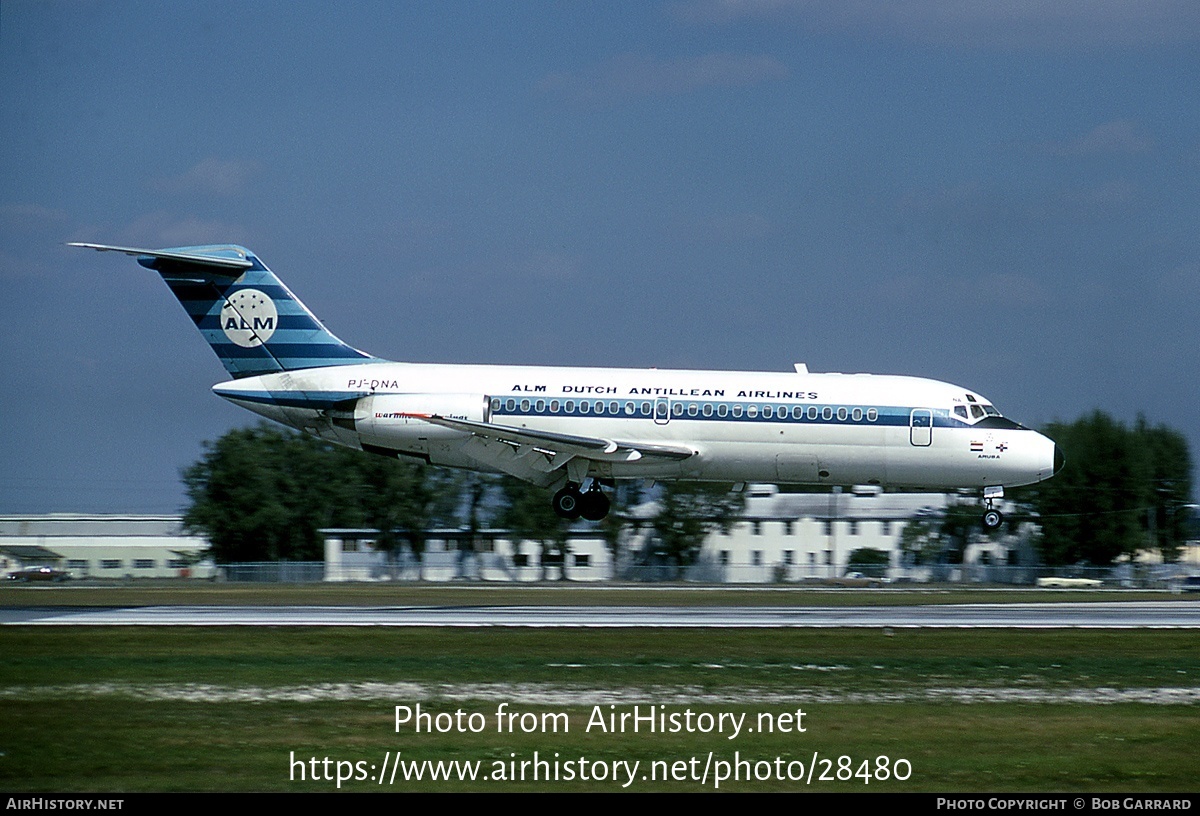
990,411
961,411
976,411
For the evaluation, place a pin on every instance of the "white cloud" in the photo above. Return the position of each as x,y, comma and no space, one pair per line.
160,229
633,75
31,215
976,23
212,176
1120,136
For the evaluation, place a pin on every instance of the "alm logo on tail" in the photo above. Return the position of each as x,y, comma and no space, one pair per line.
249,318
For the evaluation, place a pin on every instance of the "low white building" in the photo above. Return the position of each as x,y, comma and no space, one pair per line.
492,555
788,537
781,537
103,546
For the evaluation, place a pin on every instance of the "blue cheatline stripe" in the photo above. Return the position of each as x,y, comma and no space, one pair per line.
887,416
296,399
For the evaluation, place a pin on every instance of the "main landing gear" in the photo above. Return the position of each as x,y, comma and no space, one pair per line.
570,503
992,518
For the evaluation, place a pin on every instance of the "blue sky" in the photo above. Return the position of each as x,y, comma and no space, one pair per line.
1004,195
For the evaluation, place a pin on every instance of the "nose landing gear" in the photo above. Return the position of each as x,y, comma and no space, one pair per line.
992,518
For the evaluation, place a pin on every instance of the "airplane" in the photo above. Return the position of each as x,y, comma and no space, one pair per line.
572,430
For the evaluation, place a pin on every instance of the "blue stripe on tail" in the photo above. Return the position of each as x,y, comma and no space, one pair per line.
252,321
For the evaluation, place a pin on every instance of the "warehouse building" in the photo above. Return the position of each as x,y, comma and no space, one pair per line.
103,546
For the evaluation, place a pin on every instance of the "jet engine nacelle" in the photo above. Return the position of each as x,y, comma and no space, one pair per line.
396,420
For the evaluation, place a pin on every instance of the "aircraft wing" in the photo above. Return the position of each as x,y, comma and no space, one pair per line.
535,455
589,447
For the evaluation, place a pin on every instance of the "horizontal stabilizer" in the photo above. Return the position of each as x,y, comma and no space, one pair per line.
218,257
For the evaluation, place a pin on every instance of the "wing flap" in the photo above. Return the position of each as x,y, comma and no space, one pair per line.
565,445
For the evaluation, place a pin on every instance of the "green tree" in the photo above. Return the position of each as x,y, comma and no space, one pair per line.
527,514
477,490
690,512
920,541
869,561
262,494
942,536
403,500
1121,490
616,526
1170,486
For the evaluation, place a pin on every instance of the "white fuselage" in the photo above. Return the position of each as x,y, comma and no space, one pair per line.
800,428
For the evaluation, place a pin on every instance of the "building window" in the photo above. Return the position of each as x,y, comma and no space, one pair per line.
829,528
177,563
854,528
350,545
789,527
110,563
581,560
143,563
885,528
77,563
756,527
723,558
829,556
756,557
520,560
812,559
789,557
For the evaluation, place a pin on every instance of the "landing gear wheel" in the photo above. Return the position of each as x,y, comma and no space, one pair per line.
992,519
594,505
568,503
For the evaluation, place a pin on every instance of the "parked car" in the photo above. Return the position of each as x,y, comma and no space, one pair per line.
856,579
1069,583
39,574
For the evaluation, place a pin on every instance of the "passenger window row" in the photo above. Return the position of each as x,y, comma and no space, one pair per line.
680,408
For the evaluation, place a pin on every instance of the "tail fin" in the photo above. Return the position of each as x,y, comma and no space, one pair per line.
252,321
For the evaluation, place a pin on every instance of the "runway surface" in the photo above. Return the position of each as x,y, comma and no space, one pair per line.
1132,615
